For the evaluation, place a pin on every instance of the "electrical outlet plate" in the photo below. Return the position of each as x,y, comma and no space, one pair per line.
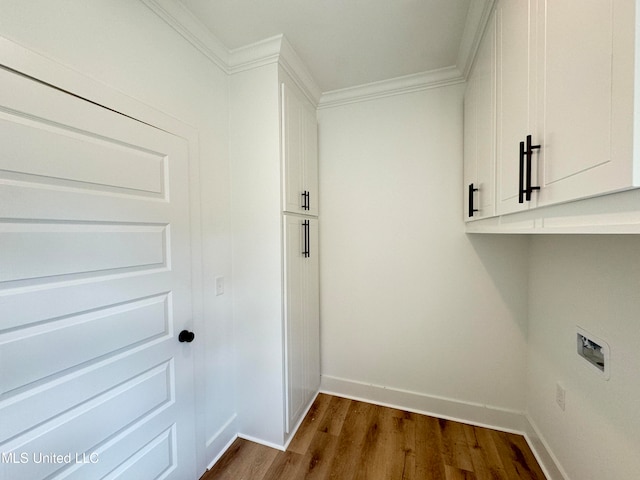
595,351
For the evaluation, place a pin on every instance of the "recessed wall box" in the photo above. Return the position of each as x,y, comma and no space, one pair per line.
594,350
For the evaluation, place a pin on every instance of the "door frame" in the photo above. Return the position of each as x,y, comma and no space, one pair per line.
61,77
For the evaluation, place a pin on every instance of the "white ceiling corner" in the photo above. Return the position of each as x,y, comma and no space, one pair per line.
475,23
354,49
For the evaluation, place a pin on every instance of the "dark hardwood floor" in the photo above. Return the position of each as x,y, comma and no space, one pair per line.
343,439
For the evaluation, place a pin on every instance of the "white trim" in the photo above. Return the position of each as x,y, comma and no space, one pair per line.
467,412
291,62
276,50
227,433
474,27
222,452
216,436
395,86
178,17
259,441
547,460
264,52
302,417
292,434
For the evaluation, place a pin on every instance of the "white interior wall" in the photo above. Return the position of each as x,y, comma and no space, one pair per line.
593,282
123,44
409,301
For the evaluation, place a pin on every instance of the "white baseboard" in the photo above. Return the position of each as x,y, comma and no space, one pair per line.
302,417
220,441
547,460
261,442
477,414
466,412
288,438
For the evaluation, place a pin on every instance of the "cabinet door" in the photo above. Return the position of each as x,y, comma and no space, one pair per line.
515,96
299,153
294,242
302,331
479,131
578,84
311,309
310,159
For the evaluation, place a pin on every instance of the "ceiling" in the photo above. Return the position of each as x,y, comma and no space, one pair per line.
346,43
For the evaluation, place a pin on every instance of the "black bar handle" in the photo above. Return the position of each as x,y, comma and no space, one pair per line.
471,209
305,200
529,153
305,232
521,189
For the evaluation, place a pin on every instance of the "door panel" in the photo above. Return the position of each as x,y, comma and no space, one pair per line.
94,288
75,248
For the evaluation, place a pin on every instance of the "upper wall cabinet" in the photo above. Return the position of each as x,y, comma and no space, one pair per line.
299,153
585,79
564,101
479,132
515,96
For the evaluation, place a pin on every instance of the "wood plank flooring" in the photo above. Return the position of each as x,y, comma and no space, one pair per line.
342,439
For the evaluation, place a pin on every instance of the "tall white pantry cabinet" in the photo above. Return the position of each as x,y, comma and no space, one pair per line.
274,158
549,108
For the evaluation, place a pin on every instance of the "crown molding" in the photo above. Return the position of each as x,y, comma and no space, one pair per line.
474,27
265,52
278,50
275,50
291,62
395,86
255,55
178,17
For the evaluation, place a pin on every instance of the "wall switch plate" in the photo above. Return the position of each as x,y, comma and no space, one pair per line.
219,285
560,396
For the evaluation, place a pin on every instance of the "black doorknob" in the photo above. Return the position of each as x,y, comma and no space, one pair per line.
186,336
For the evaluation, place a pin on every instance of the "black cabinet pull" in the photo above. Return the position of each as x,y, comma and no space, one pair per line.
521,189
305,200
530,149
526,165
305,229
471,209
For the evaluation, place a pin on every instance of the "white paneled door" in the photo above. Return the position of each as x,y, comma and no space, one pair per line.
94,291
